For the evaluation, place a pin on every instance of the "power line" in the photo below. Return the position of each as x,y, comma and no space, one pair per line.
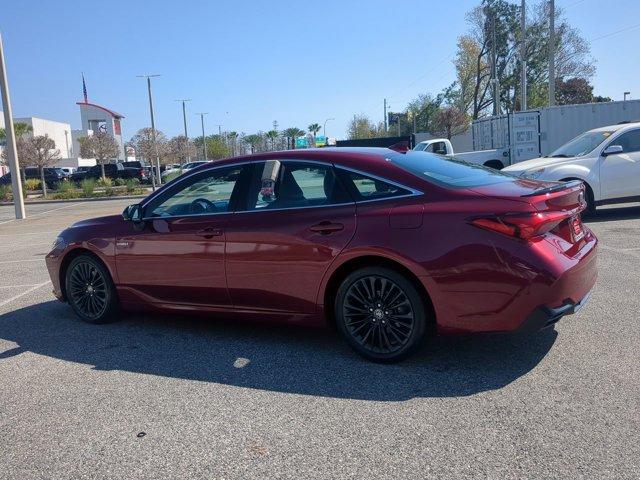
626,29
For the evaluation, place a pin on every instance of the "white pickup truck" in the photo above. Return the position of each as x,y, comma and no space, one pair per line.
496,158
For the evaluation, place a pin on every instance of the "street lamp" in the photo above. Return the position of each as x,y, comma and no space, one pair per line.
204,137
153,130
324,128
184,119
626,94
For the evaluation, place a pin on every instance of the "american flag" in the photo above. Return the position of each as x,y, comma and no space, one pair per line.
84,89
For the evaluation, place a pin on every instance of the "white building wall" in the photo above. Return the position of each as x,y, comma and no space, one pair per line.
59,132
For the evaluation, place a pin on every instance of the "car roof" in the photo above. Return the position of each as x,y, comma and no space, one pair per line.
617,127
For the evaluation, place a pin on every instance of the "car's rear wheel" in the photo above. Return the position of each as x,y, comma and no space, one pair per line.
381,315
90,290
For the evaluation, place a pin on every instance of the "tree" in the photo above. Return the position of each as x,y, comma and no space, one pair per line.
143,144
450,121
216,147
573,91
101,146
272,135
314,128
20,129
254,140
361,126
232,138
180,149
291,134
422,110
41,152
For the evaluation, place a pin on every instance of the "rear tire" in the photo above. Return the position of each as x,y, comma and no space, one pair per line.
90,290
590,211
380,314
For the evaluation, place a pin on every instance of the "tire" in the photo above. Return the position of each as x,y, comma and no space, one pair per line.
590,211
90,290
380,314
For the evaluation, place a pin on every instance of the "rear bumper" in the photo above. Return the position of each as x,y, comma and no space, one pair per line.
544,317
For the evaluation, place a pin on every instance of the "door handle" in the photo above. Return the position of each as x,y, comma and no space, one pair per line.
325,228
209,232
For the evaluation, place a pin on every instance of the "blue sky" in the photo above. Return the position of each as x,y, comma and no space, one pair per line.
248,63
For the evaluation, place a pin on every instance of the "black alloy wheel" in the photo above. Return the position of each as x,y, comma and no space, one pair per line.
90,290
381,314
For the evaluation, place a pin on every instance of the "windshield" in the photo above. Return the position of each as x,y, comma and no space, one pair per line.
449,171
579,146
420,147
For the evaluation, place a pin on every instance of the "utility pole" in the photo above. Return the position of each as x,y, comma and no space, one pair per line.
552,53
12,151
204,137
184,119
523,55
153,131
385,115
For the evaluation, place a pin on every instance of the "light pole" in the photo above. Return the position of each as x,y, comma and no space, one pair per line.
324,128
552,53
12,151
204,137
626,94
184,119
153,130
523,56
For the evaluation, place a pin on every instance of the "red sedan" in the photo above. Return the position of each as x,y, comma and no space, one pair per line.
389,247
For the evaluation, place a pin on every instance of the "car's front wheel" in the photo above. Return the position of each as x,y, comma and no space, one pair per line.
90,290
380,314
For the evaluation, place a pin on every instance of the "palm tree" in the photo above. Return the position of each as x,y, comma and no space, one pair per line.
291,134
314,128
272,135
253,140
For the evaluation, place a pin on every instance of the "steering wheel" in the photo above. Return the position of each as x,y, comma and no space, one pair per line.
202,205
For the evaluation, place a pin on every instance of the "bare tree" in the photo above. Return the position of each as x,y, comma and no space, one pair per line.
450,121
143,144
41,152
179,149
101,146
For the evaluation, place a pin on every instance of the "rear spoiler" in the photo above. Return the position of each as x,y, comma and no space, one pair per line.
555,188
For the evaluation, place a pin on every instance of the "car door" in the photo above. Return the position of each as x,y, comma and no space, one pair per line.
620,173
178,255
295,221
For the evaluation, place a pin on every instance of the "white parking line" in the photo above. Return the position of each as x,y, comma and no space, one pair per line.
21,286
35,287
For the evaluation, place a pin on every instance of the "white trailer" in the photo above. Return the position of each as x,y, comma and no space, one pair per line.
535,133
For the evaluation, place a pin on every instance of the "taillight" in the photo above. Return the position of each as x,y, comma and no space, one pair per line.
524,226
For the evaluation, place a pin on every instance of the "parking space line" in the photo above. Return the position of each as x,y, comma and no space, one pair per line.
35,287
20,286
30,233
5,262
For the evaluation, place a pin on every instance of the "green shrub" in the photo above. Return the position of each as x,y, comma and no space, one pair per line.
67,194
65,186
32,184
105,182
5,193
132,185
171,176
88,185
119,182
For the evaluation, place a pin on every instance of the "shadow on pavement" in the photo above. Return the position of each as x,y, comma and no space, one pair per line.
280,358
611,214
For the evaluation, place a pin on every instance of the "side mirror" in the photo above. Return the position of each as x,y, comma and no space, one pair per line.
133,213
612,150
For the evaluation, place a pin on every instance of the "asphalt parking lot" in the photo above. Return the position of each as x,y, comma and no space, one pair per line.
173,397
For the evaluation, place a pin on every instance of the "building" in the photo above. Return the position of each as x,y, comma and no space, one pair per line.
96,118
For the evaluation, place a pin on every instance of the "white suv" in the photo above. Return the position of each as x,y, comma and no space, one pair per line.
606,159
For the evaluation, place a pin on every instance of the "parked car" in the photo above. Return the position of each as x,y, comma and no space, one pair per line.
180,169
391,248
113,171
68,170
442,146
606,160
52,176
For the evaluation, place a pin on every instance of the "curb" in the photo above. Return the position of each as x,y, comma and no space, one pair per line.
76,200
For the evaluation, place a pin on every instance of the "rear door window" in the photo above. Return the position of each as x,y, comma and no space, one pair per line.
363,187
